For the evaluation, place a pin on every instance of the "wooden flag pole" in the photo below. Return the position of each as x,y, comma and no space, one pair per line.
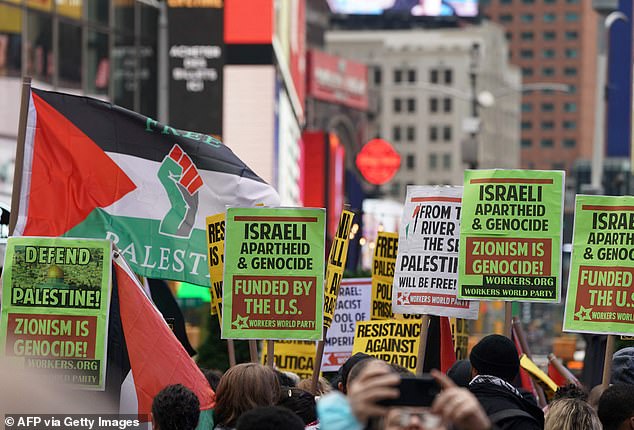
563,370
270,352
231,349
19,154
422,347
319,355
521,337
607,361
253,350
508,315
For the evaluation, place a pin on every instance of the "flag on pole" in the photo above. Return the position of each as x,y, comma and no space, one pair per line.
95,170
447,351
156,358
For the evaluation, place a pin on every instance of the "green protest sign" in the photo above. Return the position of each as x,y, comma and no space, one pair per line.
599,297
55,299
510,235
274,272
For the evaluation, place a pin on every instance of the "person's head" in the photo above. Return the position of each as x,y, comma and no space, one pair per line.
342,384
300,402
243,387
357,369
460,373
571,391
616,407
269,418
287,379
495,355
623,366
323,386
571,414
175,407
213,377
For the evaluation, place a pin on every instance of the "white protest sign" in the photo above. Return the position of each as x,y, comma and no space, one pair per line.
426,273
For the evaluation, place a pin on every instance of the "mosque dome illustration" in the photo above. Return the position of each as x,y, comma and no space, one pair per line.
55,277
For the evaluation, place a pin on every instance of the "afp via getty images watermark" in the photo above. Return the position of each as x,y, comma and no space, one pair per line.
76,422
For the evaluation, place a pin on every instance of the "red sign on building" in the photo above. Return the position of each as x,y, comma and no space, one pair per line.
337,80
378,162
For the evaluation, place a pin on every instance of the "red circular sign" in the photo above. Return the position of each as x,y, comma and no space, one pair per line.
378,162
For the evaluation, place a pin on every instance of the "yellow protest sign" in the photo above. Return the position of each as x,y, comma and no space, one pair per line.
392,341
293,356
336,265
216,260
460,336
383,265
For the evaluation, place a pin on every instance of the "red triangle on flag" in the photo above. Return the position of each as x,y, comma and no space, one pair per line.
157,358
71,176
447,351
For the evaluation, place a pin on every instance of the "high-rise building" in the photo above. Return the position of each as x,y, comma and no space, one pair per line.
552,41
424,91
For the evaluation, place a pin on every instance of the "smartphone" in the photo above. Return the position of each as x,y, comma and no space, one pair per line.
414,391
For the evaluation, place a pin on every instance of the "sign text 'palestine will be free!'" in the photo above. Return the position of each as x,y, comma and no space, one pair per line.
274,265
510,235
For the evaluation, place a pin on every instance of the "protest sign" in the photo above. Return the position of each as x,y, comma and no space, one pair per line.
383,263
392,341
336,265
426,273
55,299
460,336
599,297
510,235
274,272
216,260
353,305
293,356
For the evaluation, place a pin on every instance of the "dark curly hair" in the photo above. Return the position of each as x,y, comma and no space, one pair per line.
175,407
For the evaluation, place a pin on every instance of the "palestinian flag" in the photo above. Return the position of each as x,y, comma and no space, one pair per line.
144,356
96,170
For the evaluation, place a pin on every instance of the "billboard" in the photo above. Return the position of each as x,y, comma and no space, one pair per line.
462,8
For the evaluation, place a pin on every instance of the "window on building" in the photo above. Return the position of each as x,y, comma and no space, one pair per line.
549,17
547,143
528,1
526,143
527,35
558,165
549,35
570,107
508,36
410,161
398,76
572,89
548,71
527,107
70,53
550,1
411,105
446,161
506,1
527,125
446,105
570,71
433,161
572,35
548,107
396,133
433,105
411,133
411,76
548,53
433,76
97,49
571,53
10,33
572,1
527,17
569,143
506,18
526,53
572,16
548,125
527,71
395,188
397,105
377,75
446,133
448,76
569,125
433,133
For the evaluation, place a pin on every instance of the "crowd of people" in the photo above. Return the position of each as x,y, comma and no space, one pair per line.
476,394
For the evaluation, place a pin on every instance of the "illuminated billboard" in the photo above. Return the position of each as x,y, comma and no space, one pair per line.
432,8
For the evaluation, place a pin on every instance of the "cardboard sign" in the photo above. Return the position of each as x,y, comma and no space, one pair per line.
460,336
216,260
392,341
336,264
383,264
55,299
274,272
293,356
426,273
600,297
353,306
510,235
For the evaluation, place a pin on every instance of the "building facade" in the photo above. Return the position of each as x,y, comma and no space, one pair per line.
424,92
552,41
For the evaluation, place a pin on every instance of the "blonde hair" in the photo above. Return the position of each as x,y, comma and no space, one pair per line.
571,414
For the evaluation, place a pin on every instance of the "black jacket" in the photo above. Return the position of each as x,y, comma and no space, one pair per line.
495,399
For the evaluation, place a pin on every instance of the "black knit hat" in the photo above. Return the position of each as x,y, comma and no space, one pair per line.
349,364
497,356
